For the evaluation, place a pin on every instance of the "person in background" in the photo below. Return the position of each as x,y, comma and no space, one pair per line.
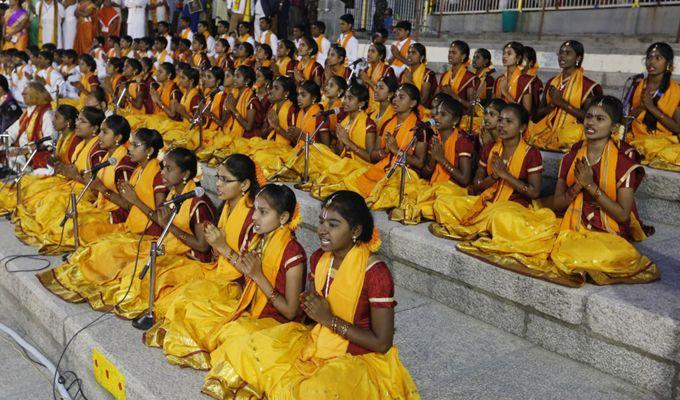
399,50
347,39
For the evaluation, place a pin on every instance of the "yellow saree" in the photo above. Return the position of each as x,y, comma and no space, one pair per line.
292,361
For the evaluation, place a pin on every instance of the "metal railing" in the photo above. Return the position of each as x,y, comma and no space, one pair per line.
410,10
491,6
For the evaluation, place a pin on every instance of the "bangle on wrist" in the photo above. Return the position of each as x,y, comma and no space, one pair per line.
273,295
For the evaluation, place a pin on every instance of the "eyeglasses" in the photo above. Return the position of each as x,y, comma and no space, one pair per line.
224,179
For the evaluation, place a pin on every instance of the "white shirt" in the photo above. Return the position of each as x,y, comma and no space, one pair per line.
323,51
136,23
53,80
19,79
67,90
47,130
398,69
273,41
47,21
352,47
210,43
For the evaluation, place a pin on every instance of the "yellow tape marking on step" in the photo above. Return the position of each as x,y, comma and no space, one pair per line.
108,375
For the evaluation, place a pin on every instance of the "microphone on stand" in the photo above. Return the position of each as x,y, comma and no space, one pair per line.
179,199
358,61
425,124
96,168
38,142
332,111
214,92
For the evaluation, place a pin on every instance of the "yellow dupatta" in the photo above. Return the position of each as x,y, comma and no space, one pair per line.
513,82
133,90
667,103
456,82
440,173
63,145
572,220
381,120
142,180
272,254
165,93
108,177
81,156
183,221
306,70
186,99
282,65
573,94
231,223
357,133
418,76
343,297
282,113
500,190
234,127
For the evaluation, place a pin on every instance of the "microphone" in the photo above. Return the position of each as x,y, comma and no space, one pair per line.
38,142
96,168
425,124
214,92
179,199
358,61
332,111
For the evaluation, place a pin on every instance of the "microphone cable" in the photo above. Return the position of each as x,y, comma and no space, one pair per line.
57,375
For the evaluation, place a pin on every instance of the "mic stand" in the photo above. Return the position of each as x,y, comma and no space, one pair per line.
73,212
401,163
626,96
198,119
309,140
146,320
116,105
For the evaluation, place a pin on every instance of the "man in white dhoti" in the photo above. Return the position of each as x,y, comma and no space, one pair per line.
136,21
50,15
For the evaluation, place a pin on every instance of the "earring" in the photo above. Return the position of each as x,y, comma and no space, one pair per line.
185,180
148,156
354,239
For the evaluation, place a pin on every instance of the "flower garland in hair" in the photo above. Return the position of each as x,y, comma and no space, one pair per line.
375,242
259,176
295,219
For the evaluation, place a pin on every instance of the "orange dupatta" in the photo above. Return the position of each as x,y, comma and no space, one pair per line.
142,180
440,173
234,128
376,172
282,113
667,104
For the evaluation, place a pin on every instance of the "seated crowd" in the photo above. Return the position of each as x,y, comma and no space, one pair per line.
234,294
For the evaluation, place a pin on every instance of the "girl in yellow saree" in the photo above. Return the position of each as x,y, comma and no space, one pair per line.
349,351
239,109
307,69
557,119
372,182
463,85
133,101
356,136
376,71
100,217
507,180
104,285
419,75
596,186
656,108
215,117
513,86
177,133
167,92
334,90
144,189
36,216
217,284
64,123
382,96
448,170
274,267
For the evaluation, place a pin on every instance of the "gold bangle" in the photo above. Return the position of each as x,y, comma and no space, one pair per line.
273,295
342,330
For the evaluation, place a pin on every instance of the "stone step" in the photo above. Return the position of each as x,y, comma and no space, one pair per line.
437,344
